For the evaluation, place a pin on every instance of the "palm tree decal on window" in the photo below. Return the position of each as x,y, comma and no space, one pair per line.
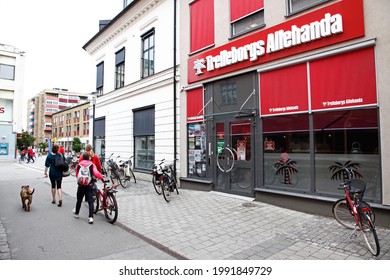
340,171
286,169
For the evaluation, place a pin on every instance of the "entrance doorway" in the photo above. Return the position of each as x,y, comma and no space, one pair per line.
234,160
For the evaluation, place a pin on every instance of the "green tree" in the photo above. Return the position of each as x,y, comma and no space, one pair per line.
76,145
26,140
42,146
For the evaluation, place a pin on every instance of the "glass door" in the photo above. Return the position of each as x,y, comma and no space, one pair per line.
234,156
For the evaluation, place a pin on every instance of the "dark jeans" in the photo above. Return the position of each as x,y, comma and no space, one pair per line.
88,193
30,158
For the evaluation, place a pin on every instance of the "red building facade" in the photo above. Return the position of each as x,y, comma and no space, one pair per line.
282,96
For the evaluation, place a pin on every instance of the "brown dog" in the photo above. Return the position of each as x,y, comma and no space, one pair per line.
26,195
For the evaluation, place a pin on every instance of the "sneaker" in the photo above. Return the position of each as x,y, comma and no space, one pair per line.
90,220
74,213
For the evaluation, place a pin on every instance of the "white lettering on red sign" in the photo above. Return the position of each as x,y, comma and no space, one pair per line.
277,41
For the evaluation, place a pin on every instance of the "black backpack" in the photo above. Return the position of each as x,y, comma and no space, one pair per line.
60,163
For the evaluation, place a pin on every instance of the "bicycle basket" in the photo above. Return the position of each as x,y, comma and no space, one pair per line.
358,187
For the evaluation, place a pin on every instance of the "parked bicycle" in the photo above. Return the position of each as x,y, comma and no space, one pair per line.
112,170
354,213
126,171
164,180
72,162
105,200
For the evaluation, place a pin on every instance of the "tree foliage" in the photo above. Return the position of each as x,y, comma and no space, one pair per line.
26,141
76,145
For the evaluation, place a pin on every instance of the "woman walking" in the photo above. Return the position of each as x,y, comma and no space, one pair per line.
55,174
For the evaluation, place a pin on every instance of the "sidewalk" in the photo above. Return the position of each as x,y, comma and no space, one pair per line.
212,226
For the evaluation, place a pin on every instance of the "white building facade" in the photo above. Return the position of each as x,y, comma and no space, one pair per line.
135,109
12,64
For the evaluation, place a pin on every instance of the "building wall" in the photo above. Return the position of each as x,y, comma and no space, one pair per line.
117,105
59,121
11,100
46,103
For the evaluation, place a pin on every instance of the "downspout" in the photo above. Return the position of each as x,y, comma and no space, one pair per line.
174,87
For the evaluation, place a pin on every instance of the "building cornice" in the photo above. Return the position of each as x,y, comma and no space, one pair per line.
128,17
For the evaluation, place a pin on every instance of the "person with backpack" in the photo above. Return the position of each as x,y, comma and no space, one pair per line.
86,172
55,173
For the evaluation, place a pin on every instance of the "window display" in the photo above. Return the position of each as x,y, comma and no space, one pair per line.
196,150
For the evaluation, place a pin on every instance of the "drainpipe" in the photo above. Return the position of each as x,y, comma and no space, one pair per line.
174,87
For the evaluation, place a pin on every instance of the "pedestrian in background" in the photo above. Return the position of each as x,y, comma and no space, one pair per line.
93,157
30,155
55,174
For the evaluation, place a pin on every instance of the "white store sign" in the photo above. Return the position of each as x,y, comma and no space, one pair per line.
6,110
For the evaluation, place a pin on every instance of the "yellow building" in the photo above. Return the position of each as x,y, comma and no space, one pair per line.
69,123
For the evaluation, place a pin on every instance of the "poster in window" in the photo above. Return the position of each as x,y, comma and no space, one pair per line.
191,143
241,150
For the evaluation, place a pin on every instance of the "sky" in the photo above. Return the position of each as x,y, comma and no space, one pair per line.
52,33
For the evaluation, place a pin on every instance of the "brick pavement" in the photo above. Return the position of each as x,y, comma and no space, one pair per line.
211,226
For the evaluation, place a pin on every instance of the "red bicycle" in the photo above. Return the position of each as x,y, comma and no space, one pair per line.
354,213
105,200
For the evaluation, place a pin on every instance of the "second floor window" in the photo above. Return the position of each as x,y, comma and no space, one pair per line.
99,78
120,68
245,18
147,64
294,6
7,72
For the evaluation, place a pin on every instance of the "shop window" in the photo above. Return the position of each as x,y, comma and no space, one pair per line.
196,150
287,152
347,139
294,6
144,152
144,144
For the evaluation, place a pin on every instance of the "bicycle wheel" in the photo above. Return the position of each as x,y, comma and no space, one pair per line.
174,183
111,211
113,176
165,189
132,175
369,233
96,201
343,214
122,178
156,185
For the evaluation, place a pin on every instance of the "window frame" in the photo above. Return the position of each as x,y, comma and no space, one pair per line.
120,57
5,72
289,4
234,34
99,78
150,51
